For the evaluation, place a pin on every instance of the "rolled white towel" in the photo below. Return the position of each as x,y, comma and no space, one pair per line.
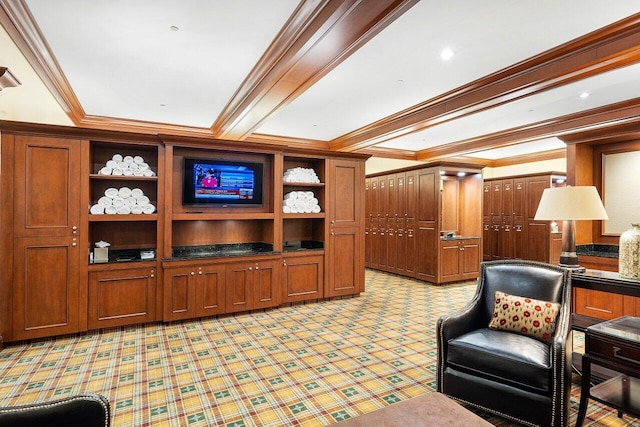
148,209
117,172
309,194
112,164
128,159
286,209
105,171
117,157
137,209
131,201
136,192
117,202
288,202
138,159
307,209
105,201
143,200
133,166
127,172
313,201
123,165
294,209
111,192
97,209
124,210
124,192
291,195
143,166
148,173
316,209
111,210
138,172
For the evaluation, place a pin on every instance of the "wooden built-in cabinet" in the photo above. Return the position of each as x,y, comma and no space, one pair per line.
459,260
120,294
409,211
51,177
509,228
45,236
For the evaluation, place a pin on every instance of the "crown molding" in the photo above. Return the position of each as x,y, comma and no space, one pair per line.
317,38
612,47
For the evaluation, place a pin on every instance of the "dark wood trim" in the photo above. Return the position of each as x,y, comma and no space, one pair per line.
614,46
316,39
390,153
560,153
625,113
311,144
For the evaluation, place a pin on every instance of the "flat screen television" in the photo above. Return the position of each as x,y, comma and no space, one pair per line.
222,182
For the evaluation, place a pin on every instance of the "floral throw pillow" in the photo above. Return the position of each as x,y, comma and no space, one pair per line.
525,316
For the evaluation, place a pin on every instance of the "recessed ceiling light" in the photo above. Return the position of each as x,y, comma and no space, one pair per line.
461,174
585,95
446,54
163,105
174,28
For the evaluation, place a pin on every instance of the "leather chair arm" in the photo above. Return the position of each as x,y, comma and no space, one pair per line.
87,410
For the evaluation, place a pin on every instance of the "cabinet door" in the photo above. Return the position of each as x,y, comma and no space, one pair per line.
179,293
427,229
266,284
239,286
345,254
121,297
210,290
46,189
303,277
598,304
470,260
45,287
450,261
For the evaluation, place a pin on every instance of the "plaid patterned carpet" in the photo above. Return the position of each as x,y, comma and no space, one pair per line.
310,365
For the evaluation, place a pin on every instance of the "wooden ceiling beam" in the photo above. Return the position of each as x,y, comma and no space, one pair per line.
316,39
609,116
612,47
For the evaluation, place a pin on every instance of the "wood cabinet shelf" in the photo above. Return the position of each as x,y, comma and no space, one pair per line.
221,216
304,215
303,184
95,176
120,218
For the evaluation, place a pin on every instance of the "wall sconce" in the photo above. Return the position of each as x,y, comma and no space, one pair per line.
7,79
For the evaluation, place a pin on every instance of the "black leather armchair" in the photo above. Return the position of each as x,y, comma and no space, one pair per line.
512,375
86,410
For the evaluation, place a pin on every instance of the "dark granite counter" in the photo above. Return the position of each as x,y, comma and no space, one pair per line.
459,237
598,250
221,250
302,245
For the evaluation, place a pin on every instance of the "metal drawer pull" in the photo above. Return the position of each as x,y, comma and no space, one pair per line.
616,354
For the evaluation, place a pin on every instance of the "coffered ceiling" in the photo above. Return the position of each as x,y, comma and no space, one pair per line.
356,76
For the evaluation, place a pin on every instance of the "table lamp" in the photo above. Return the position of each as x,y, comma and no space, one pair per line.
570,204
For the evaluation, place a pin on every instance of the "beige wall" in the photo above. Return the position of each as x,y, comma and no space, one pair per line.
31,101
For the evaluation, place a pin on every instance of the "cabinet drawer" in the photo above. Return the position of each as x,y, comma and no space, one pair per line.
623,352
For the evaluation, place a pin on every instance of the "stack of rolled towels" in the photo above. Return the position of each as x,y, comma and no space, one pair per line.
123,201
300,202
306,175
127,166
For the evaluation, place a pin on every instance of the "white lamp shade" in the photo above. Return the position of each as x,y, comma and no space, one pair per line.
570,203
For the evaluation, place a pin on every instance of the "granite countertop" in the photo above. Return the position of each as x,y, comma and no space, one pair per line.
220,250
459,237
598,250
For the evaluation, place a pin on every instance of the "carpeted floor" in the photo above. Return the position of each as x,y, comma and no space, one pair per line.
310,365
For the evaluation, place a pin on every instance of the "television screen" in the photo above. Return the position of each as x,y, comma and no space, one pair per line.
222,182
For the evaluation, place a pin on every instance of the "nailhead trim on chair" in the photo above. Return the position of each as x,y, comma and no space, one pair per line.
24,408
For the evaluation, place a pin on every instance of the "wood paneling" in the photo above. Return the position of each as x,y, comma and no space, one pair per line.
303,277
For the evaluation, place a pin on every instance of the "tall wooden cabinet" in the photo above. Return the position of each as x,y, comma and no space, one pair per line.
46,237
52,188
409,211
509,228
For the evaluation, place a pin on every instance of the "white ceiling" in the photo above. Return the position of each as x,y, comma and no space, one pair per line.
122,59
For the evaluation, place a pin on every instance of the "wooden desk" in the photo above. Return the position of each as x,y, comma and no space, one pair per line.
614,344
